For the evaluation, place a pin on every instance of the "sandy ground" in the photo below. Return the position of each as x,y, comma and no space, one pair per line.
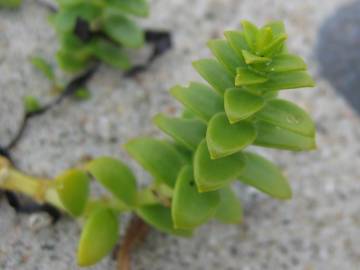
319,229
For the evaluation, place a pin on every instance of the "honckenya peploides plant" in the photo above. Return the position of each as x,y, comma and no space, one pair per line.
194,168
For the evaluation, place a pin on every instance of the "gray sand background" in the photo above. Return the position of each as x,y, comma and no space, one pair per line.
318,229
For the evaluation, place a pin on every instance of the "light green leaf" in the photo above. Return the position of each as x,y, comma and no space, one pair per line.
265,176
31,104
188,132
226,55
250,33
230,210
213,174
70,62
110,54
241,104
159,158
73,189
123,30
224,139
98,237
215,74
237,41
264,37
44,67
246,77
159,217
275,46
189,207
286,62
275,137
199,99
135,7
277,27
287,115
10,3
285,80
254,59
116,177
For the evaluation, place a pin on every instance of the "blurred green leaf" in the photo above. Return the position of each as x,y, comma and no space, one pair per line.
73,189
70,62
188,132
237,41
265,176
123,30
10,3
159,158
287,115
250,32
215,74
230,210
82,93
116,177
226,55
214,174
241,104
98,237
263,37
244,76
44,67
31,104
272,136
189,207
199,99
275,46
159,217
224,139
135,7
251,58
110,54
286,62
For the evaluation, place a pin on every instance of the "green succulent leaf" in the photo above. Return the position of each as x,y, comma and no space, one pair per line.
199,99
237,41
44,67
287,115
188,132
31,104
98,237
123,31
73,189
241,104
135,7
272,136
213,174
250,33
189,207
265,176
263,37
275,46
230,210
110,54
245,76
286,62
226,55
159,158
70,62
215,74
160,218
224,139
251,58
116,177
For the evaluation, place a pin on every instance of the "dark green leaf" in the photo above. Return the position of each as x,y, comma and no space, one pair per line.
73,189
188,132
159,217
189,207
110,54
135,7
213,174
70,62
287,115
230,209
224,139
275,137
265,176
115,177
241,104
98,237
159,158
123,30
215,74
199,99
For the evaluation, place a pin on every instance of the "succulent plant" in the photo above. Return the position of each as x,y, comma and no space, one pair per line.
97,30
10,3
207,151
